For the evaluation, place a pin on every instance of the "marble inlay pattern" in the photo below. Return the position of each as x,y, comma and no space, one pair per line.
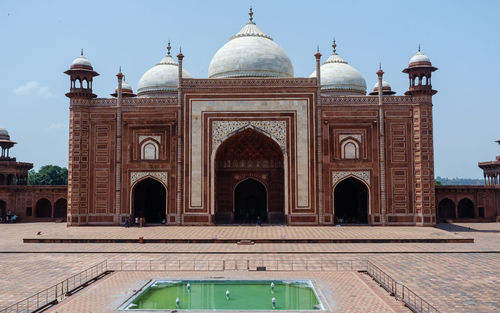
363,175
224,129
357,137
161,176
157,138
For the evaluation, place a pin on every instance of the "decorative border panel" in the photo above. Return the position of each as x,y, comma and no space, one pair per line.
338,176
161,176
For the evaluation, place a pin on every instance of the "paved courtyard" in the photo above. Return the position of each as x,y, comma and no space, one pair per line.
454,277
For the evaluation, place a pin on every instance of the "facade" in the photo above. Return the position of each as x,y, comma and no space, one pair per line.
478,203
29,203
252,142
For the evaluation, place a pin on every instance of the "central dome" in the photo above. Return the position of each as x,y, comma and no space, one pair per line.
250,53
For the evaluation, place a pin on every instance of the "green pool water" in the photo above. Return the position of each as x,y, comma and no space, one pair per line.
211,295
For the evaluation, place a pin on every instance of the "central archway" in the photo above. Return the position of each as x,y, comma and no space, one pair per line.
150,201
351,202
250,201
249,178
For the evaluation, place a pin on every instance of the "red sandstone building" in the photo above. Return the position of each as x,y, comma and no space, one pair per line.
478,203
29,203
252,141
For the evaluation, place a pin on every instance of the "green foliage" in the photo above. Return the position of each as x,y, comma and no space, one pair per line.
437,182
48,175
460,181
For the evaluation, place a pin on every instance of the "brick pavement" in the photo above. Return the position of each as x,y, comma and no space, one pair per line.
453,282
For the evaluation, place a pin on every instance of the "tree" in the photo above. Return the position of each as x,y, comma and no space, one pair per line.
437,182
48,175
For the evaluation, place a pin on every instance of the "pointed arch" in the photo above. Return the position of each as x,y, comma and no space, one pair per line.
149,199
351,200
249,154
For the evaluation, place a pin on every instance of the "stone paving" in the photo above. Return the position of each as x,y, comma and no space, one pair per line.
454,277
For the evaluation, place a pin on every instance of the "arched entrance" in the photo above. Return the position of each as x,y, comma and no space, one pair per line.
43,208
250,201
150,201
465,208
60,208
3,209
351,202
249,178
446,209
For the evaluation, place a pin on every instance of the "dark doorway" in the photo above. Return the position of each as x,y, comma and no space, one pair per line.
43,208
3,209
446,209
150,199
250,202
351,202
60,208
465,208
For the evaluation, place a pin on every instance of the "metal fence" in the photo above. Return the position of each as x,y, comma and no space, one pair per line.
56,293
53,295
400,291
236,264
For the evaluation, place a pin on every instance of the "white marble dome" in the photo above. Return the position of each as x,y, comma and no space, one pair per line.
419,57
338,77
163,77
81,60
250,53
126,86
4,134
384,85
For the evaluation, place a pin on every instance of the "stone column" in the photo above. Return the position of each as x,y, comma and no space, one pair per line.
381,129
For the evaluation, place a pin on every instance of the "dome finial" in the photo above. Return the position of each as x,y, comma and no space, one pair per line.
120,70
251,14
168,47
379,65
418,47
81,52
334,46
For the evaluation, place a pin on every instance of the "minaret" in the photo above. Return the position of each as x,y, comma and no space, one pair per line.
81,75
419,71
319,137
381,134
180,136
118,156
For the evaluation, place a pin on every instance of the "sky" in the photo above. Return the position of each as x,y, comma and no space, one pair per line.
40,39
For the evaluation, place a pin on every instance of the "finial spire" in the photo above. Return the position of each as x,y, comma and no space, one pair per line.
379,65
317,48
251,14
334,46
81,52
120,70
180,49
168,48
418,47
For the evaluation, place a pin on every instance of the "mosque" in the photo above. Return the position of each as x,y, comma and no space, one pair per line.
252,142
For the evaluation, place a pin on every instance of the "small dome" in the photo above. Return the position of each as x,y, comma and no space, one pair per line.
163,77
338,77
419,59
386,89
384,85
4,134
126,86
250,53
81,62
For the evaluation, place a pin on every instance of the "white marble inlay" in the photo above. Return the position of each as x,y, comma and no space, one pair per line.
342,137
161,176
221,130
142,138
300,106
338,176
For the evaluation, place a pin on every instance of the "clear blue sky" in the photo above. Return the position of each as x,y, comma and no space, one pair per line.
39,40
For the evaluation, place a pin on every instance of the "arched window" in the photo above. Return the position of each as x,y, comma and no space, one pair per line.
350,149
150,150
